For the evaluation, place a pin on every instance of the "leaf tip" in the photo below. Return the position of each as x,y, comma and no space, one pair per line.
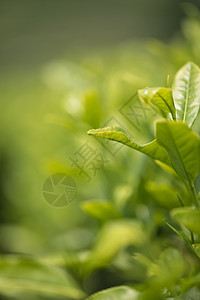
91,131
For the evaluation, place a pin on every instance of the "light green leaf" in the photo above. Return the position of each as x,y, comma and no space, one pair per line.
113,237
170,265
25,275
167,168
100,209
114,133
188,217
163,195
152,268
64,259
186,93
160,97
183,147
118,293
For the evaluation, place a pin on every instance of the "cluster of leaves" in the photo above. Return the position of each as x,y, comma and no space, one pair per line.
128,235
141,239
177,148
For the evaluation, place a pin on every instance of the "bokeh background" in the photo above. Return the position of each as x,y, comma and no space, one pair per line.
66,67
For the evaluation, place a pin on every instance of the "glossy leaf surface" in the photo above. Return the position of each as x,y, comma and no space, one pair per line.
186,93
114,133
183,147
120,293
160,97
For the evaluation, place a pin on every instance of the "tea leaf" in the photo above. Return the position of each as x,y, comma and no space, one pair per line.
114,236
120,293
187,217
160,97
172,263
169,265
184,155
197,184
196,248
165,196
182,236
22,274
114,133
186,93
99,209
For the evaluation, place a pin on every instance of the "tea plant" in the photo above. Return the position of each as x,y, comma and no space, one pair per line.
142,240
176,148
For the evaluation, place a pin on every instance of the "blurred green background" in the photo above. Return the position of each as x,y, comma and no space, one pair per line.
66,67
34,32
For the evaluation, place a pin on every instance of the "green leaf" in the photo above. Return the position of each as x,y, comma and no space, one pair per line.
167,168
188,217
169,266
114,133
162,273
182,236
24,275
100,209
119,293
172,263
152,268
186,93
196,248
183,147
160,97
65,259
197,184
113,237
163,195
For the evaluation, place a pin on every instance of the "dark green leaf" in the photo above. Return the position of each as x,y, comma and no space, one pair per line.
182,236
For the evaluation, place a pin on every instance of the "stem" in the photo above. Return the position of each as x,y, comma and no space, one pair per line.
195,201
180,200
173,116
192,237
192,189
